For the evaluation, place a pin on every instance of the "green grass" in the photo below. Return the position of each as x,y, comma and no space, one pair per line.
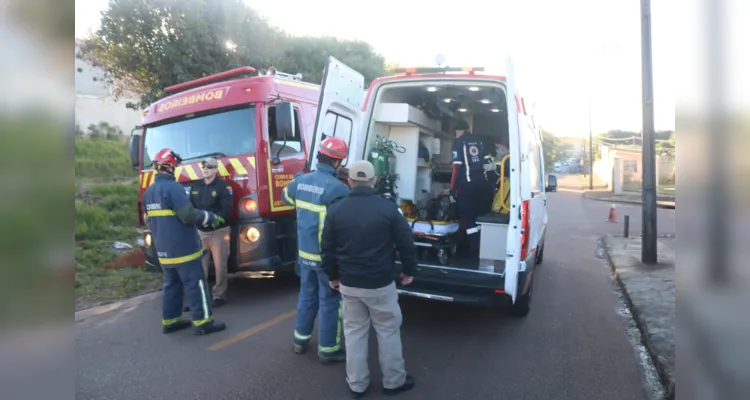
106,212
100,160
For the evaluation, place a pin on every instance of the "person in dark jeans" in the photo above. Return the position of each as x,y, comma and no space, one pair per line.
359,236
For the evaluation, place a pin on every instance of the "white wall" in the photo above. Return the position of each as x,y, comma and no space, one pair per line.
95,103
92,110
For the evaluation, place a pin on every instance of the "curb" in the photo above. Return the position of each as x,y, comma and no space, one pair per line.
667,383
95,311
659,204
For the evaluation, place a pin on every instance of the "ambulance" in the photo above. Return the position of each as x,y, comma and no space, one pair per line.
414,113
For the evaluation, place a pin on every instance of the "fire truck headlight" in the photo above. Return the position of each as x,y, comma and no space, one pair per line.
147,239
252,234
249,206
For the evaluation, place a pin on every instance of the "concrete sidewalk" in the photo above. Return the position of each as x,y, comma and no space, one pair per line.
628,198
649,292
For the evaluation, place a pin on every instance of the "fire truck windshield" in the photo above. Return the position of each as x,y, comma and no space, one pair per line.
228,132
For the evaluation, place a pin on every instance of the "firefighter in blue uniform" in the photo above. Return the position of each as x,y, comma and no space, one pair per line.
469,183
311,194
172,220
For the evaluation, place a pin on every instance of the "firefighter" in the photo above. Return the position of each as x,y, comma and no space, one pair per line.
172,220
469,183
311,194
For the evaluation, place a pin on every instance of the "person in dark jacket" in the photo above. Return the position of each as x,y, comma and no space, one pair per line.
359,236
214,194
172,220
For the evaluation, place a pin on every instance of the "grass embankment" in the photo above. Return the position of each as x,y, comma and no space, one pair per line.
106,201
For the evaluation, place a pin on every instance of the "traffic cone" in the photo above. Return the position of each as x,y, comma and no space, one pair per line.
612,214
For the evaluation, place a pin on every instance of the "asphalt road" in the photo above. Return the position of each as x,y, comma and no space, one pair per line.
573,344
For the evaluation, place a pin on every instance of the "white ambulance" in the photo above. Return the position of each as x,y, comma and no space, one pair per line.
416,111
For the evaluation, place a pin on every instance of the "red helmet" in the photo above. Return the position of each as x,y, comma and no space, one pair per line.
335,148
166,158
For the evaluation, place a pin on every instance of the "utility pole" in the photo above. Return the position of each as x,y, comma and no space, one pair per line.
591,151
648,248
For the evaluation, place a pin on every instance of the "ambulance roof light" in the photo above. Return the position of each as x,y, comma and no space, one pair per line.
437,70
272,71
210,79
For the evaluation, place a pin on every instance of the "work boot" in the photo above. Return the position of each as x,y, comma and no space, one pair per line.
299,348
219,302
408,385
334,357
209,327
176,326
357,395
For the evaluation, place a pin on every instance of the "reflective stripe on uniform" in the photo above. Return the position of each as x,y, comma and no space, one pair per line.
204,301
301,337
286,196
172,321
337,346
322,211
466,160
310,256
160,213
305,205
179,260
204,304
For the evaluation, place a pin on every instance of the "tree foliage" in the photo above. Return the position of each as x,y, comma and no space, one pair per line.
147,45
308,55
551,146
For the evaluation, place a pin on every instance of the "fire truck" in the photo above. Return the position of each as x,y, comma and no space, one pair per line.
260,126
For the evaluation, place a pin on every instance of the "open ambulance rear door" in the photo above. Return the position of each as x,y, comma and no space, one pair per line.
338,108
515,144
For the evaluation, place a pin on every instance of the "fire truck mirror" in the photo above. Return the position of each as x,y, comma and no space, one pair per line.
285,121
135,149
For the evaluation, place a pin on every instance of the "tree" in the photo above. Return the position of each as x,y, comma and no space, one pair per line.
151,44
147,45
308,55
551,146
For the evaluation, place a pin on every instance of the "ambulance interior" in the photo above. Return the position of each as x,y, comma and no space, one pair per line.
410,139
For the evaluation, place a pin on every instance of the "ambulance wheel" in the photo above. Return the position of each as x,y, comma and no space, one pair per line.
540,254
442,256
522,306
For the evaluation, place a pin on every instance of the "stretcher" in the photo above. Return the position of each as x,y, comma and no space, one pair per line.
440,237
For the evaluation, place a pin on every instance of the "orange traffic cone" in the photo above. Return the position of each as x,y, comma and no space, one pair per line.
612,214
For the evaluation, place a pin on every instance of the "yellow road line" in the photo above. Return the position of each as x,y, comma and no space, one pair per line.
252,331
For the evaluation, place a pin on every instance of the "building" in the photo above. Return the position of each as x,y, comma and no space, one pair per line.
621,168
96,101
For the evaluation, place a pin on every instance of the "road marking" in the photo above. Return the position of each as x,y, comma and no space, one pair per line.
562,189
252,331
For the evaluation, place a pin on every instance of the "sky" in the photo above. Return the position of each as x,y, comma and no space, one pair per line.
566,54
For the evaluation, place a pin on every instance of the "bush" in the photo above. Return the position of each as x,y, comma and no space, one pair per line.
104,130
107,212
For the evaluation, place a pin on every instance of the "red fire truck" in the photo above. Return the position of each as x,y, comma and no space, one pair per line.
259,125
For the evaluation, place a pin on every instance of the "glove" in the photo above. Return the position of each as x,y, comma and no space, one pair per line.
453,195
218,220
209,218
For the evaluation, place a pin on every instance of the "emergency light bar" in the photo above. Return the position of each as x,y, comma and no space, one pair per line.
210,79
437,70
